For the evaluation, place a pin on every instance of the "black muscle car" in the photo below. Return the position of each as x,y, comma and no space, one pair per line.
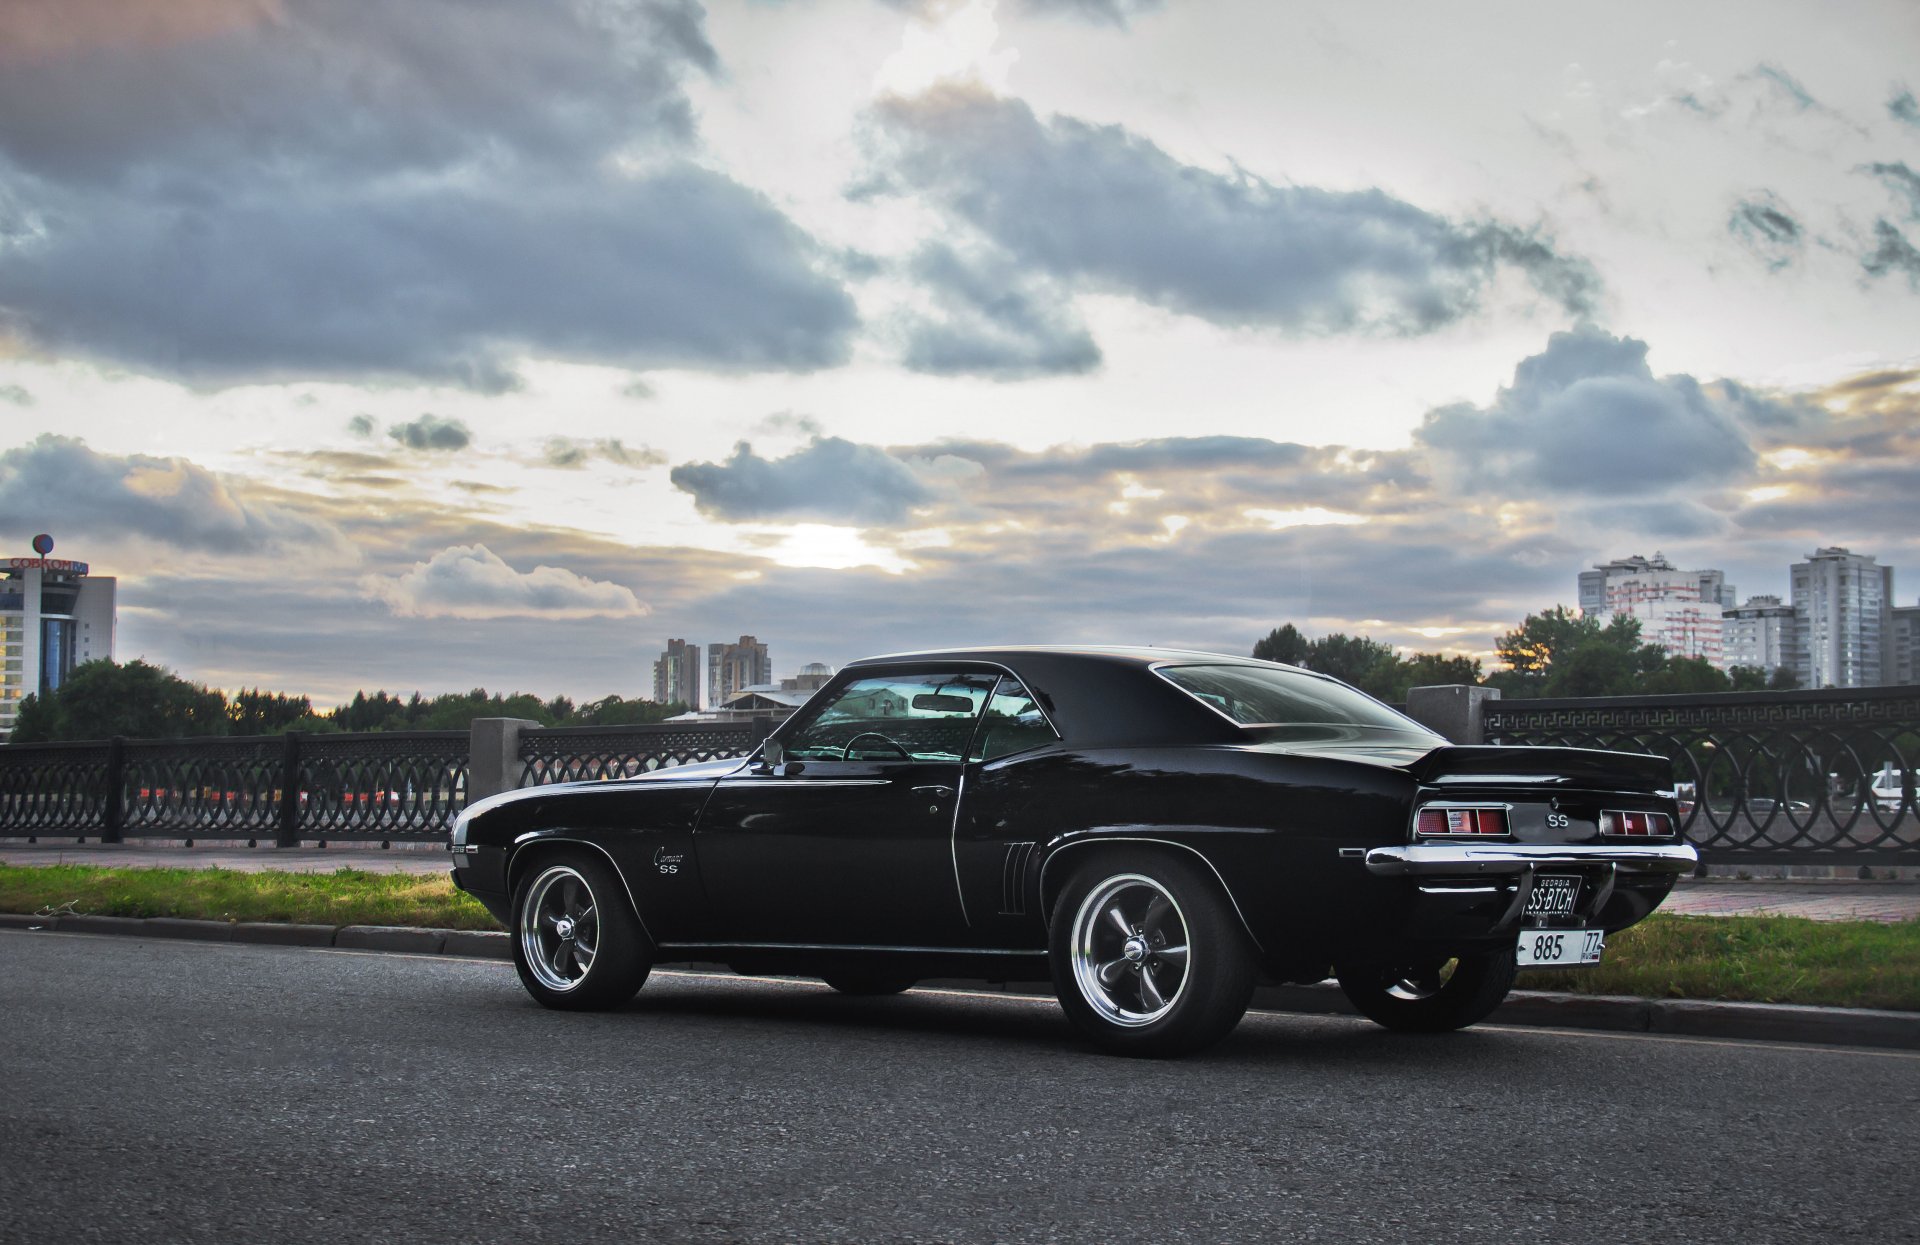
1153,831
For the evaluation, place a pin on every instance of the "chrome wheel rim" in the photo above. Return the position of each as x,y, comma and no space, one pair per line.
1130,955
559,928
1424,982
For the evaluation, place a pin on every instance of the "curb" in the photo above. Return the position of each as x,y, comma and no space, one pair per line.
1766,1022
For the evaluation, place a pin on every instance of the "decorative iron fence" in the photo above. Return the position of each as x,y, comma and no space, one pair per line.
391,786
567,753
1815,777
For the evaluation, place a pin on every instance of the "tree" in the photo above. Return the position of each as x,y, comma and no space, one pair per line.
1784,680
1686,675
101,699
1747,678
1430,669
254,712
1365,663
1282,644
1564,653
614,711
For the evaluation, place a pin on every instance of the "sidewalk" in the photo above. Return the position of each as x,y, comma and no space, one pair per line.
1819,899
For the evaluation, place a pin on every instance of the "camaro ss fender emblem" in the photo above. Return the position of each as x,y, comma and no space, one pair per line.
667,862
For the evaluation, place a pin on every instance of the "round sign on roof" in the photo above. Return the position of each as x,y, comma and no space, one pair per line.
43,544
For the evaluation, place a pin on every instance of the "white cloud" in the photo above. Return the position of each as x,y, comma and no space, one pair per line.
473,582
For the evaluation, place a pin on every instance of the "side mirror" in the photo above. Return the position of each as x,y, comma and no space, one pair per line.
772,752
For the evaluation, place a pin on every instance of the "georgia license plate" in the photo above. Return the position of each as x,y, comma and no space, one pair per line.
1554,894
1560,948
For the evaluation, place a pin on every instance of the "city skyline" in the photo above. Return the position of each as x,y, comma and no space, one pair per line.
868,326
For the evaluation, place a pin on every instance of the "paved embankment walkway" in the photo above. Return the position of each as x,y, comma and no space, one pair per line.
1819,899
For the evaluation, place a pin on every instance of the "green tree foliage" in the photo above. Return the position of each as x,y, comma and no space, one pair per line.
1282,644
1747,679
1686,675
254,712
613,711
101,699
1562,652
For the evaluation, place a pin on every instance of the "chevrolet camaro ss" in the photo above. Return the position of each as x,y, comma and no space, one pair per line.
1155,832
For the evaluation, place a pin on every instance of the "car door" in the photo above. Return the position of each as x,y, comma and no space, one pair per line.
847,841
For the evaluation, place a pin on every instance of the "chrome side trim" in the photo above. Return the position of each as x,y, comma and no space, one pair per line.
851,946
534,838
1414,859
1461,890
1056,853
731,781
953,844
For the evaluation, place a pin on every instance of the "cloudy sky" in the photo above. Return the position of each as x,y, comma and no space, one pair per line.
492,342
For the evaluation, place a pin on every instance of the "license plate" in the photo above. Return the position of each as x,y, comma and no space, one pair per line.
1554,894
1560,948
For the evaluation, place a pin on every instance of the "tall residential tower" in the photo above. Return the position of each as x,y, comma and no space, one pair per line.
53,616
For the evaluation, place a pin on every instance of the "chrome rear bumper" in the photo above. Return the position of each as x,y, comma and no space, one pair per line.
1426,859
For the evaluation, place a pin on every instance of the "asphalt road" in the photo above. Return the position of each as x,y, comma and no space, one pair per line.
157,1091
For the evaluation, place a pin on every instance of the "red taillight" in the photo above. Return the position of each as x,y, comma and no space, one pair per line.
1636,825
1444,821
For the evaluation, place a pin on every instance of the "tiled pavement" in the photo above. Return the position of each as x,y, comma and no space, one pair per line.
1820,899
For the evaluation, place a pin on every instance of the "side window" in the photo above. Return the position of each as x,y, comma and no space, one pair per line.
1013,723
902,717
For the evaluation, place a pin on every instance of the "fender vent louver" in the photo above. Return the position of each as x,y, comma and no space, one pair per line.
1013,879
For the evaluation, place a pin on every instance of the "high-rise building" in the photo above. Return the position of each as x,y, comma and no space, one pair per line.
676,675
54,615
1678,609
1904,644
1760,634
732,668
1844,603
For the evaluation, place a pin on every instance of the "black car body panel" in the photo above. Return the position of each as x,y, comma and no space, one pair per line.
907,851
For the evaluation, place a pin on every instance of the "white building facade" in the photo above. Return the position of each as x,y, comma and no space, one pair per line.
54,615
676,675
1845,606
1762,633
1680,610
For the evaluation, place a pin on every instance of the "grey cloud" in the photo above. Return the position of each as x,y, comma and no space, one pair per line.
59,483
681,268
1098,12
311,86
993,321
1660,520
1901,106
568,453
1766,226
1902,182
1786,86
637,389
418,191
1106,209
471,581
431,432
830,481
361,426
1588,417
1892,253
16,394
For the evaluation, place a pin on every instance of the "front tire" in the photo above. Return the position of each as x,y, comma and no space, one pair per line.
1147,957
577,945
1431,997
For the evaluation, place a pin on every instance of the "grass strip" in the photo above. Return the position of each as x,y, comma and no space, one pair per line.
1754,959
344,897
1761,959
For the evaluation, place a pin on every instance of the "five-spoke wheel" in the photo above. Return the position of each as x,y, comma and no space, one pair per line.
1148,956
576,942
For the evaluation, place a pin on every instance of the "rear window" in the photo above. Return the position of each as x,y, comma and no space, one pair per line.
1263,696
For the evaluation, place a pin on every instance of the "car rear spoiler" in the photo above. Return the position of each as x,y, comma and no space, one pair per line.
1556,767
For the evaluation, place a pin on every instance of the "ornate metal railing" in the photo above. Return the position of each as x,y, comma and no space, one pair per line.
54,788
567,753
1816,777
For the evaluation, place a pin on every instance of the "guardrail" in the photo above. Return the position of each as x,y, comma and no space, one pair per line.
1806,778
394,786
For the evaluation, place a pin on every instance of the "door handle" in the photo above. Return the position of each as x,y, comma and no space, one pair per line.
938,792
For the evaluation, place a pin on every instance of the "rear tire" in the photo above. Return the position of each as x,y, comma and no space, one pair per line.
577,944
1148,957
1431,997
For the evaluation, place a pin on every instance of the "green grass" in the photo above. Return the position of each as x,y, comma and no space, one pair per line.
1758,959
346,897
1762,959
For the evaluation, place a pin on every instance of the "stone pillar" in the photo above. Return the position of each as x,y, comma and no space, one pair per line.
1451,709
493,756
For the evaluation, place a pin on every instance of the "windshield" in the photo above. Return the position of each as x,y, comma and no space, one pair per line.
1266,696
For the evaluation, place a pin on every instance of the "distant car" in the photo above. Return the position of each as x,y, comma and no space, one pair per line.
1152,831
1887,791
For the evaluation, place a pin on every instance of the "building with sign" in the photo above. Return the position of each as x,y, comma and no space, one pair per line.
1681,610
54,615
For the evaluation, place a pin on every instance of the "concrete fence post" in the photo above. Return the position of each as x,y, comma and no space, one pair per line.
1452,709
493,756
